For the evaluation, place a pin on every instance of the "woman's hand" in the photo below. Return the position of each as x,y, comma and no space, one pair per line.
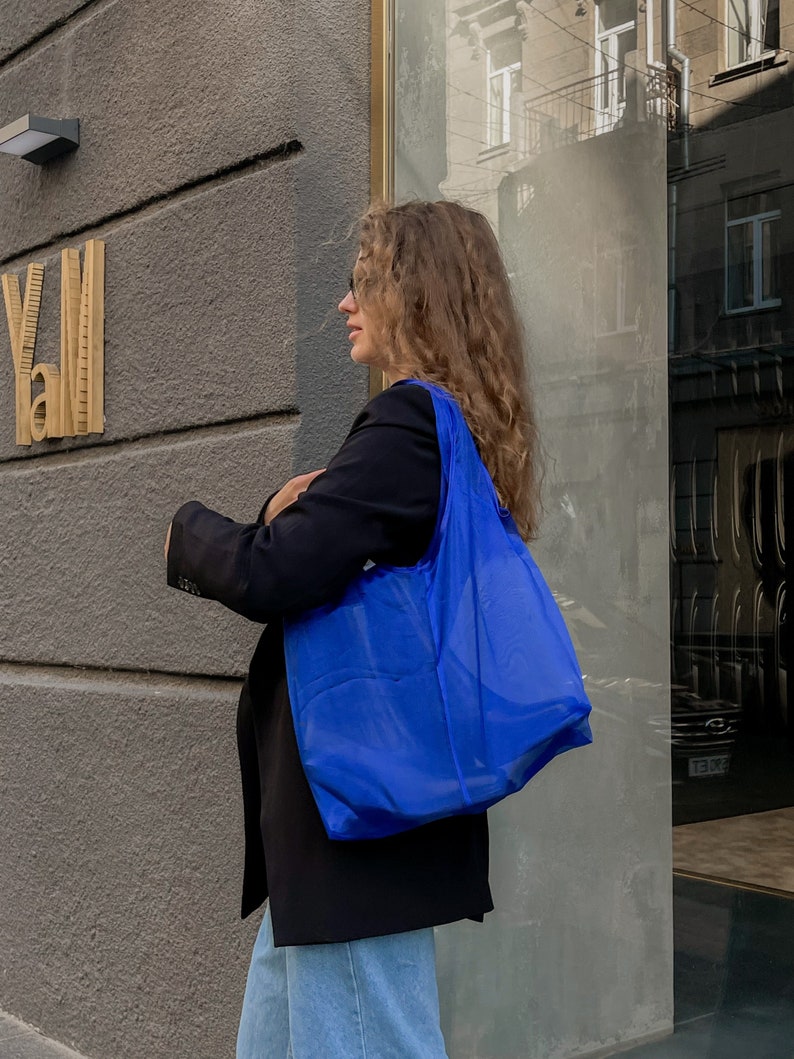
167,541
289,493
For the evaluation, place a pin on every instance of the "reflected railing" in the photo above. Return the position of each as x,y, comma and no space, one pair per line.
662,92
600,104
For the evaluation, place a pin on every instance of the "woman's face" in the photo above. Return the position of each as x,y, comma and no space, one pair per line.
361,339
364,346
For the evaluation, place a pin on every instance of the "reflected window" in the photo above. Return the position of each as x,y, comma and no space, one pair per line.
504,82
752,28
752,255
616,291
616,36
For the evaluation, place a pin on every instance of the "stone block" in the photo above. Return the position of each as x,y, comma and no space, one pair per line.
331,192
199,313
162,102
122,862
81,555
23,23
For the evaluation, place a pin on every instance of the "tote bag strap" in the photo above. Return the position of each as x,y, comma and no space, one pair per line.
458,451
448,421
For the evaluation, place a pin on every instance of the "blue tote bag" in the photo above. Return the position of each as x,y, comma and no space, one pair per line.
436,689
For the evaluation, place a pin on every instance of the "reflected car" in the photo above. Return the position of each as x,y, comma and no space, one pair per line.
703,733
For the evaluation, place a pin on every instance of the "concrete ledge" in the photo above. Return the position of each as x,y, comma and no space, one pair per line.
20,1041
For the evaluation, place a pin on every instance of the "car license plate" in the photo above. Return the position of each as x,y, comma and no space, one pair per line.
713,765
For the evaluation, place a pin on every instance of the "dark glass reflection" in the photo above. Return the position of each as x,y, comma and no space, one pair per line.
731,328
734,991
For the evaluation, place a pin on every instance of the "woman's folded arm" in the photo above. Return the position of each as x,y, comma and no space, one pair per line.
376,501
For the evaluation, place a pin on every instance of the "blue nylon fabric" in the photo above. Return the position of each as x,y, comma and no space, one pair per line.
440,688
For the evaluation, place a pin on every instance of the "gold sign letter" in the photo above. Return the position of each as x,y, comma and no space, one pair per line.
45,412
23,322
83,341
73,398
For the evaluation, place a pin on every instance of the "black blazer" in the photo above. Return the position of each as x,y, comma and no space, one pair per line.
377,500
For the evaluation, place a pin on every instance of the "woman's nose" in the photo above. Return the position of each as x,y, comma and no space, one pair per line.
348,303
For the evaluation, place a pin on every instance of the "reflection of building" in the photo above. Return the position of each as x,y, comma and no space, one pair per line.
586,85
524,79
575,194
731,338
546,99
634,157
582,223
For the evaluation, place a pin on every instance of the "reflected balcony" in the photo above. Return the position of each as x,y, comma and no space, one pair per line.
612,100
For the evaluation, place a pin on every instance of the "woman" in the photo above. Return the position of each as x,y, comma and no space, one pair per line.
343,965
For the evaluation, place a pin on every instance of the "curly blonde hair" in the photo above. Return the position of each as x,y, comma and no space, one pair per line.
431,279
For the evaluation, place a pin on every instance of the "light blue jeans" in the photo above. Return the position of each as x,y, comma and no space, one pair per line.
375,998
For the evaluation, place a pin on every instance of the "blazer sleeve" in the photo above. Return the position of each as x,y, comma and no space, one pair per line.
377,500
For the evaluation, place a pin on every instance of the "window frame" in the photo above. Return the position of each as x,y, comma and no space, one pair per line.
757,220
505,73
606,45
757,47
623,262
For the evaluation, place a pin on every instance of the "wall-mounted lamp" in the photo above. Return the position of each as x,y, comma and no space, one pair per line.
39,139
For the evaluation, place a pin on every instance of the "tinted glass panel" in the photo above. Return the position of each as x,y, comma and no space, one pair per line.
661,336
581,858
732,454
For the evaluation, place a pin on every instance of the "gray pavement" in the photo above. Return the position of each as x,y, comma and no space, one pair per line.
20,1041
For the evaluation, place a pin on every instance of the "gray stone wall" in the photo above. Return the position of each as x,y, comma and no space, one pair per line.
223,159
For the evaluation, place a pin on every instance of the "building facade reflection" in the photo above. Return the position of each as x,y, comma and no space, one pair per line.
633,158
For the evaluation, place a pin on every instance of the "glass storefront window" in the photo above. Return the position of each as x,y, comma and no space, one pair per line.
642,197
579,951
